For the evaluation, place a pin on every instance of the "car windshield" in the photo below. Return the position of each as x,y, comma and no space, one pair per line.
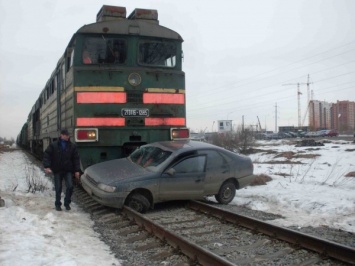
149,156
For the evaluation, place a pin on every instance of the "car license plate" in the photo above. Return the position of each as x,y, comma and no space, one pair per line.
135,112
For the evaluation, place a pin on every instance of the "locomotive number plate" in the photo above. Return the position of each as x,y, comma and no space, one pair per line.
135,112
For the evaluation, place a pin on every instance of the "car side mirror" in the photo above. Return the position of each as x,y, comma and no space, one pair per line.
170,172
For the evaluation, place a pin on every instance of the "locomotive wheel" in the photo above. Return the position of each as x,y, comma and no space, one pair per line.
138,202
226,193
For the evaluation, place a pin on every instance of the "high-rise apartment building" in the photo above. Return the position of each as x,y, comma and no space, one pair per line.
343,116
319,115
339,116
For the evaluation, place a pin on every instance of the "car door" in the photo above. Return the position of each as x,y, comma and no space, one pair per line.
217,170
185,179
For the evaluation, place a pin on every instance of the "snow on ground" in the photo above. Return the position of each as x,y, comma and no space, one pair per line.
313,190
32,232
314,193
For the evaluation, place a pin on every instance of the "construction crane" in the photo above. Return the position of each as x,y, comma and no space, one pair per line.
309,98
259,123
299,98
305,114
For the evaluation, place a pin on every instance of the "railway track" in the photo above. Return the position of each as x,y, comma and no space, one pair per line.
200,234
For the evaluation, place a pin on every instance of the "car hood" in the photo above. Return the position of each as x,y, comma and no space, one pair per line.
111,171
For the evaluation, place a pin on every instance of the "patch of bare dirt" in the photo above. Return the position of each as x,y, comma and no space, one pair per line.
287,154
350,174
283,174
282,162
306,156
262,151
261,180
291,155
312,149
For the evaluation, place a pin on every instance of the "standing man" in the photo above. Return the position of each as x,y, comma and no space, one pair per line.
62,159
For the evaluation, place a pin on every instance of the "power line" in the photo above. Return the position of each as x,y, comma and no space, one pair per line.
230,101
253,80
265,103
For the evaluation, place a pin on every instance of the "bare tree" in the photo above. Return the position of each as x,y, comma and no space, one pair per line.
241,141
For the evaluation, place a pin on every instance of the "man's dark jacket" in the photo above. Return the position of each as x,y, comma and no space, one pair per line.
59,160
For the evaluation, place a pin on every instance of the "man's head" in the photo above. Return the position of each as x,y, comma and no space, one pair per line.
116,54
64,134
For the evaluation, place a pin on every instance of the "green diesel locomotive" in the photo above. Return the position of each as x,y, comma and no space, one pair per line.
118,85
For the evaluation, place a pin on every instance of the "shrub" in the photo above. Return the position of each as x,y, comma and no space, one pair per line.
261,180
241,141
34,180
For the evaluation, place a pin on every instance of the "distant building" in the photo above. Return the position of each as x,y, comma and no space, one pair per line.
224,126
319,115
339,116
343,116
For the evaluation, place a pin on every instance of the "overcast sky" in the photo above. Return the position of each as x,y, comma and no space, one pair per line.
238,55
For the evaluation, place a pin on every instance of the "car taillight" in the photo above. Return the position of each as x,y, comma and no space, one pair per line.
86,135
179,133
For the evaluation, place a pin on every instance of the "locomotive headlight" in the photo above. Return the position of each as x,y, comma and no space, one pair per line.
179,133
86,135
134,79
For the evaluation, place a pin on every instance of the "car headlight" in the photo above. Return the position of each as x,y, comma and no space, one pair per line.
106,188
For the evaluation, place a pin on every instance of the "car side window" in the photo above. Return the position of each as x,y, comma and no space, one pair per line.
214,159
190,165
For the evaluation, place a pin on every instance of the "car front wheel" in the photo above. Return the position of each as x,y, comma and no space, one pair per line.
226,193
138,202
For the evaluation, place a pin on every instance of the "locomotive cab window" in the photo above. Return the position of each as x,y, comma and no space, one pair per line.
157,53
101,50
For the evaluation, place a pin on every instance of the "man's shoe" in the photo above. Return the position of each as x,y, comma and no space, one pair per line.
58,208
67,208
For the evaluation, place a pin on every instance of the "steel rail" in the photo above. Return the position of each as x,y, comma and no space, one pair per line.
324,247
191,250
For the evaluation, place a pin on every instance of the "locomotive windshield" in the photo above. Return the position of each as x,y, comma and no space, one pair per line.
102,50
156,53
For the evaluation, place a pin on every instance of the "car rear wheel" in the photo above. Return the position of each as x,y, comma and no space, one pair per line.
138,202
226,193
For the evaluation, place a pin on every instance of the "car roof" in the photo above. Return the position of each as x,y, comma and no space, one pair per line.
183,145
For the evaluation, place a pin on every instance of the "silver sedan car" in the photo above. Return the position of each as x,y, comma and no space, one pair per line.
168,170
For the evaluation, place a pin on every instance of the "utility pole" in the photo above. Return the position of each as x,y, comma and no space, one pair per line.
243,123
298,99
308,91
275,117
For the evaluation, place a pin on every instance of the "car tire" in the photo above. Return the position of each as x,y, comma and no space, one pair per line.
226,193
138,202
